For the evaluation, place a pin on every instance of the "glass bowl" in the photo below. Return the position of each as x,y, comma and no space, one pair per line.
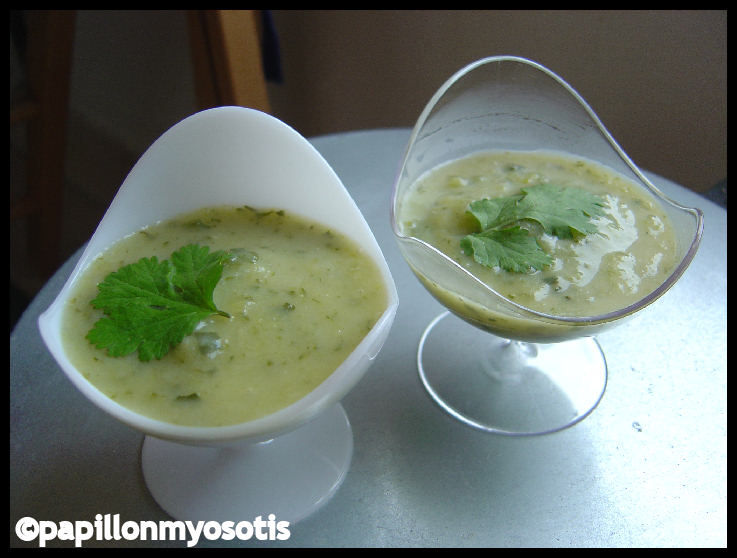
539,372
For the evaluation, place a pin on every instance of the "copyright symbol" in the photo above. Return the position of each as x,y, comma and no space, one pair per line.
26,529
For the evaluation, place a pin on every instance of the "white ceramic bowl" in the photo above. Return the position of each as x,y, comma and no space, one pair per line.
230,156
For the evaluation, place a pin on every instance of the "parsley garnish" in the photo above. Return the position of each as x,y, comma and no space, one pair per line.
562,212
150,306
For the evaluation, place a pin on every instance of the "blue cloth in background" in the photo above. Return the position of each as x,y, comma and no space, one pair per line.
270,49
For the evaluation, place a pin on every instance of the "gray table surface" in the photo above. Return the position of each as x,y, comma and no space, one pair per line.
647,468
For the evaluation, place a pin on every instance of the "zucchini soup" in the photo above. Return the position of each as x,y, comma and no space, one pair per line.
580,240
293,300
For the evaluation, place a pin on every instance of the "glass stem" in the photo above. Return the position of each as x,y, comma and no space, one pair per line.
508,359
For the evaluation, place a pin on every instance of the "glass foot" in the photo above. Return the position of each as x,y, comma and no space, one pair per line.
290,476
509,387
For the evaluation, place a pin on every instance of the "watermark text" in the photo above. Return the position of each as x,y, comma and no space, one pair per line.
108,527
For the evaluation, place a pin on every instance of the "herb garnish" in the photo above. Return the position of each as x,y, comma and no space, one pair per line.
501,241
152,305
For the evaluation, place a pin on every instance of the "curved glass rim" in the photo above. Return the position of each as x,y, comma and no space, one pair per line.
685,261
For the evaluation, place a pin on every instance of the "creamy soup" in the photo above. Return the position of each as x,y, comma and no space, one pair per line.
300,299
632,253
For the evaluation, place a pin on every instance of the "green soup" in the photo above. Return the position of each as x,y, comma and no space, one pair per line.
300,298
632,253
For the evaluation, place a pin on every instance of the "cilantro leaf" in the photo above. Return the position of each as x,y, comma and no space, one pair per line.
150,306
197,274
496,212
513,249
562,212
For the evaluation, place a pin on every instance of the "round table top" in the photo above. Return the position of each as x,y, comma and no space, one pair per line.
647,468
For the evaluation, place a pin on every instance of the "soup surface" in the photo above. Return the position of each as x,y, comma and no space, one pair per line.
631,254
300,298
